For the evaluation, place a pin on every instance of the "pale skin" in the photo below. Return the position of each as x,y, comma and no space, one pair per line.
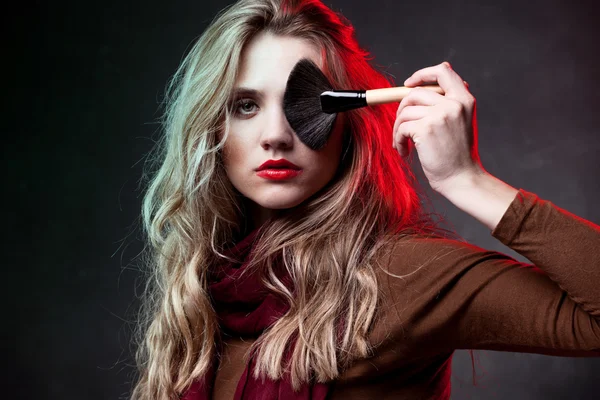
443,129
260,130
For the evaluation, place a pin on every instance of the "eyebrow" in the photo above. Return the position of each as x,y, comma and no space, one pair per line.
245,91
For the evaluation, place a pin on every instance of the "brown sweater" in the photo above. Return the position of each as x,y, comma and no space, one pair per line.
455,295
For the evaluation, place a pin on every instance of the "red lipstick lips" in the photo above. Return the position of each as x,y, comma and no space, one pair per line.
279,164
278,170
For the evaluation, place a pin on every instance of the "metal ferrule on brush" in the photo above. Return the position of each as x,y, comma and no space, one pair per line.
334,101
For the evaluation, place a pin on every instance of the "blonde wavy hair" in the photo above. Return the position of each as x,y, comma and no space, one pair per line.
191,213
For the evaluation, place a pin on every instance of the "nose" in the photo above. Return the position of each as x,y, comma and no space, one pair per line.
277,132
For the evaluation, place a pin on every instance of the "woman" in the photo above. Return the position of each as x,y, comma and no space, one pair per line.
328,279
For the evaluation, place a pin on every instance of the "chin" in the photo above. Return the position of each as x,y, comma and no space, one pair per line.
279,202
280,205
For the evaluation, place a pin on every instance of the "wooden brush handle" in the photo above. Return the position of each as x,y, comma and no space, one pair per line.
394,94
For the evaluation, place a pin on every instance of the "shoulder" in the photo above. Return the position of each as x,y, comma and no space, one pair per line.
415,274
420,259
424,281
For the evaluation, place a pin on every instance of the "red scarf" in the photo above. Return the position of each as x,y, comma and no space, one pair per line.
244,307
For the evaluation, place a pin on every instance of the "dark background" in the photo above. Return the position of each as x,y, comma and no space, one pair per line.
84,86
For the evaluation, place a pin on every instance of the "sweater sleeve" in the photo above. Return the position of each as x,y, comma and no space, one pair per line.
453,295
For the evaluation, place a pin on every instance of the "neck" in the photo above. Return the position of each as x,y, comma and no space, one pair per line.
257,215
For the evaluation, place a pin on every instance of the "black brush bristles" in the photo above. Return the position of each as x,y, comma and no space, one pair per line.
302,104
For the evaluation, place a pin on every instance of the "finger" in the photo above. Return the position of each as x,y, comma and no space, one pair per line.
420,97
410,113
442,74
403,135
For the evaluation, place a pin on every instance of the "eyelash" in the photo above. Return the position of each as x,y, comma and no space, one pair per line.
240,102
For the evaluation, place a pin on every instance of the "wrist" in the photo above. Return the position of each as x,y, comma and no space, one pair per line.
467,180
481,195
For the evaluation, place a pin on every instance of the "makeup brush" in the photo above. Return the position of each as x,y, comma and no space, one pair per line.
311,105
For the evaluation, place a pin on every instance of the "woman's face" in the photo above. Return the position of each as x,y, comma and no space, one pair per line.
260,130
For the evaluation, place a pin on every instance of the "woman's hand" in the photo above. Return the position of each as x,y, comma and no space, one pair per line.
443,128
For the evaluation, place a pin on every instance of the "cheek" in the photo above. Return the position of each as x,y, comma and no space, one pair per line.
235,148
232,152
330,156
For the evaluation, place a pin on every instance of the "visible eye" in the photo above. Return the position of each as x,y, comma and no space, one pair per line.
245,107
